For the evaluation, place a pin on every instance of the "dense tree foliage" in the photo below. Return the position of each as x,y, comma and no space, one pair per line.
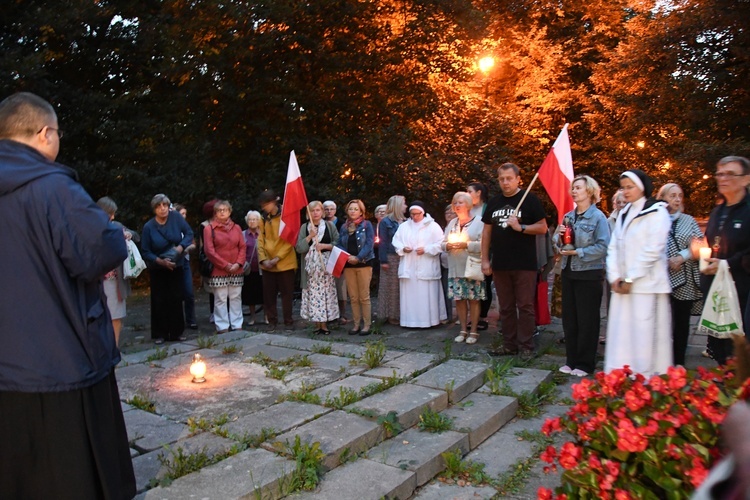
205,98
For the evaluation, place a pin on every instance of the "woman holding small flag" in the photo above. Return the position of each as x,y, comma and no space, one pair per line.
357,237
314,244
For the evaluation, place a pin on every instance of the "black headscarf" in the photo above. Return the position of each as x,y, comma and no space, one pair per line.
648,186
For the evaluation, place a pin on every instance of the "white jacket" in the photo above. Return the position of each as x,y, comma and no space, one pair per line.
425,234
638,248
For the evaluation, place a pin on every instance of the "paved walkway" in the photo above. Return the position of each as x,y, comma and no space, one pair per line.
321,389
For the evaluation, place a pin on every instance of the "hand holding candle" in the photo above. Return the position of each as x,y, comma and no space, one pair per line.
705,253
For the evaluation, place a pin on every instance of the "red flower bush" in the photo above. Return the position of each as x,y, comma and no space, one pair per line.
635,438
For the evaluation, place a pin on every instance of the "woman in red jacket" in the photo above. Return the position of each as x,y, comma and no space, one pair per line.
225,248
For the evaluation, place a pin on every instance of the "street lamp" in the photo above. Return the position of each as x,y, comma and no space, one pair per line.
485,65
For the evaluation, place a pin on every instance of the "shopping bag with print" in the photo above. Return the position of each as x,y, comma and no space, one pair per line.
722,316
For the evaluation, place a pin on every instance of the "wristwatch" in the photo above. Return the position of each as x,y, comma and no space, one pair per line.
523,228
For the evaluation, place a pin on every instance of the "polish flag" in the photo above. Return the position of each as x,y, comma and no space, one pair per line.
556,174
336,262
295,200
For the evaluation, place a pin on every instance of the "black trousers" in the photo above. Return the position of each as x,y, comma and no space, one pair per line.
65,445
581,300
275,284
484,309
680,328
167,291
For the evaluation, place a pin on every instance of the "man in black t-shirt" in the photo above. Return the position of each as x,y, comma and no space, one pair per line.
511,237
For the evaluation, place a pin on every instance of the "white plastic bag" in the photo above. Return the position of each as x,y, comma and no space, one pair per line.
134,264
722,316
473,270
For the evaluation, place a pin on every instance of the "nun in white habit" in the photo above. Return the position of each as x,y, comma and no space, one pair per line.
417,241
639,331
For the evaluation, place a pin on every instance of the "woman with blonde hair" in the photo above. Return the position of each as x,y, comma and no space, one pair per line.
583,276
388,290
463,237
357,237
314,244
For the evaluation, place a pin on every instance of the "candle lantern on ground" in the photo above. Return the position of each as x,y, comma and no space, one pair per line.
198,369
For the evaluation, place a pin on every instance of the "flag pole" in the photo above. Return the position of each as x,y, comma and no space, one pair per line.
515,212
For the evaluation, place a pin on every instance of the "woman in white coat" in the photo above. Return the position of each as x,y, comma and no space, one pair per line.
639,331
418,242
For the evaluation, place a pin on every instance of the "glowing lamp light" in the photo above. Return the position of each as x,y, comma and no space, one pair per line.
486,64
198,369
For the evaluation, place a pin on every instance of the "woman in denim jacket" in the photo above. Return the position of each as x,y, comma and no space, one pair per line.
582,277
357,237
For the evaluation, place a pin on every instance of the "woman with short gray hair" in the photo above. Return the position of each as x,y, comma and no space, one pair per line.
252,287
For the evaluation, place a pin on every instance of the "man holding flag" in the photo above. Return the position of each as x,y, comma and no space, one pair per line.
276,244
511,222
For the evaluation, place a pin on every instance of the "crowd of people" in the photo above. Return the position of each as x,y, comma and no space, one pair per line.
65,267
642,260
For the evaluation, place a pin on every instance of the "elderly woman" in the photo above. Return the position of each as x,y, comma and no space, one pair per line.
225,248
639,325
683,268
463,237
418,242
164,240
357,237
252,286
388,295
727,232
583,276
314,244
116,287
479,196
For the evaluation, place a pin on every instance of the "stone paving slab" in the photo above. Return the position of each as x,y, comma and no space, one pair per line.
223,338
150,432
148,466
344,349
500,452
419,451
363,480
336,364
481,415
355,382
183,361
440,491
457,377
280,418
301,343
339,434
254,473
404,366
522,380
274,352
408,401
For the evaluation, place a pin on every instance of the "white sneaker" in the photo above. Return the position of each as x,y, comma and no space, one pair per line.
565,369
579,373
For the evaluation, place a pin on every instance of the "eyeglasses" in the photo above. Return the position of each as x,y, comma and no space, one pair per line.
727,175
59,132
222,210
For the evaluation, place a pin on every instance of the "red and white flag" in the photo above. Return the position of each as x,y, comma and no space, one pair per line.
295,200
556,174
337,261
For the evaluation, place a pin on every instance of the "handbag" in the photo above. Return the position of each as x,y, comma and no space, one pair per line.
473,270
722,316
205,266
134,264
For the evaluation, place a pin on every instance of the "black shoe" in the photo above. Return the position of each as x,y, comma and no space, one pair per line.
364,333
482,325
324,332
354,331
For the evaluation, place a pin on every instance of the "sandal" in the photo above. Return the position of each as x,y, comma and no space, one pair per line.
473,337
461,337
